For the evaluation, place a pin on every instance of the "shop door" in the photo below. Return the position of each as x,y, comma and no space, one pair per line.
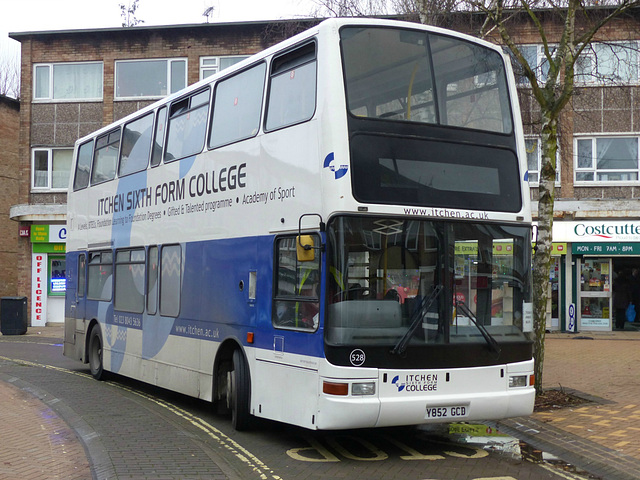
595,294
553,311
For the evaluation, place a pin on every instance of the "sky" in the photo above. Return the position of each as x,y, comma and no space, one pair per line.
39,15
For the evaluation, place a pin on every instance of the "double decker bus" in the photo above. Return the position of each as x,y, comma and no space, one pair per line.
334,233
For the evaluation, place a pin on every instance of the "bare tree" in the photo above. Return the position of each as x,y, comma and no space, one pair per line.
430,12
10,75
352,8
562,49
566,42
128,14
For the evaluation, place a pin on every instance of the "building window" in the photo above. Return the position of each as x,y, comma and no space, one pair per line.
68,81
534,160
57,276
536,59
150,78
608,64
51,168
212,65
607,159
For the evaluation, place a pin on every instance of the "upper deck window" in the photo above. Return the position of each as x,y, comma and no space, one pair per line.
292,90
105,157
136,145
237,107
83,166
406,75
187,126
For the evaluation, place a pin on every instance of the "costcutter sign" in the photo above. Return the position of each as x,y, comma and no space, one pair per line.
597,231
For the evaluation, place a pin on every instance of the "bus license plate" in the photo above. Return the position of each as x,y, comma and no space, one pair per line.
456,411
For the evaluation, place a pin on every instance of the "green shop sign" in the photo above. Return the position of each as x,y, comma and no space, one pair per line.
49,248
613,248
48,233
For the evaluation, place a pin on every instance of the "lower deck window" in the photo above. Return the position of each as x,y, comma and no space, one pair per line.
129,280
170,280
100,281
297,287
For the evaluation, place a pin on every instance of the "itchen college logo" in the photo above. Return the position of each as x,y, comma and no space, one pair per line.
416,383
338,170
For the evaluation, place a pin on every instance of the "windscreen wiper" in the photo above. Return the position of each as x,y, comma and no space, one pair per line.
493,344
416,319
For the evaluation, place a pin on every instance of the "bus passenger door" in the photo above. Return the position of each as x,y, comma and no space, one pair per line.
76,303
290,355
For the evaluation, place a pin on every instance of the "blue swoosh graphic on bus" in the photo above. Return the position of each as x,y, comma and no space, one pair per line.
155,336
121,227
114,336
339,171
186,164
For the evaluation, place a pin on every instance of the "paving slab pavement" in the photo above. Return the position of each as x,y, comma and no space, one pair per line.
35,442
601,436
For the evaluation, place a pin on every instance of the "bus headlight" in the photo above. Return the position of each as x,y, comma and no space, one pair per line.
518,381
368,388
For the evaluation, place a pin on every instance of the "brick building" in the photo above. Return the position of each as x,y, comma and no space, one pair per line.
596,227
9,134
76,81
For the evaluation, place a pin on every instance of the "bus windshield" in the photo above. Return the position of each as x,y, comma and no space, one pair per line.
407,75
383,272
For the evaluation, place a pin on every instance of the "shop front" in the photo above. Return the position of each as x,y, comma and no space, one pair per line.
604,254
48,280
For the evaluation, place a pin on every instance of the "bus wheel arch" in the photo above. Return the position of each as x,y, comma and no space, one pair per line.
95,349
232,386
93,323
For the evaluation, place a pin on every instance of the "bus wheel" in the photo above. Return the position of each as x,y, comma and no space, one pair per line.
238,393
95,354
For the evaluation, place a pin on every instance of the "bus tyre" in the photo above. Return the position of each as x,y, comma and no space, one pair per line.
239,392
95,354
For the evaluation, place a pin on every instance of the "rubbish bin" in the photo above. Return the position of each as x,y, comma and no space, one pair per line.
13,315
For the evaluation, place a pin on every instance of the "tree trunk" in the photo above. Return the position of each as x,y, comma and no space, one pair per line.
542,255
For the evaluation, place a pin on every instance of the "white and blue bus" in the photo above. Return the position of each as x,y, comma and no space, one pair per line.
334,233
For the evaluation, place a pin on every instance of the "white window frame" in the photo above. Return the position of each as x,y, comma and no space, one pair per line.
594,169
48,187
169,91
593,78
214,66
541,59
50,86
538,141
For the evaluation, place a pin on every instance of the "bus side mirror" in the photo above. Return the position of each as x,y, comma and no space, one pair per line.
305,248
